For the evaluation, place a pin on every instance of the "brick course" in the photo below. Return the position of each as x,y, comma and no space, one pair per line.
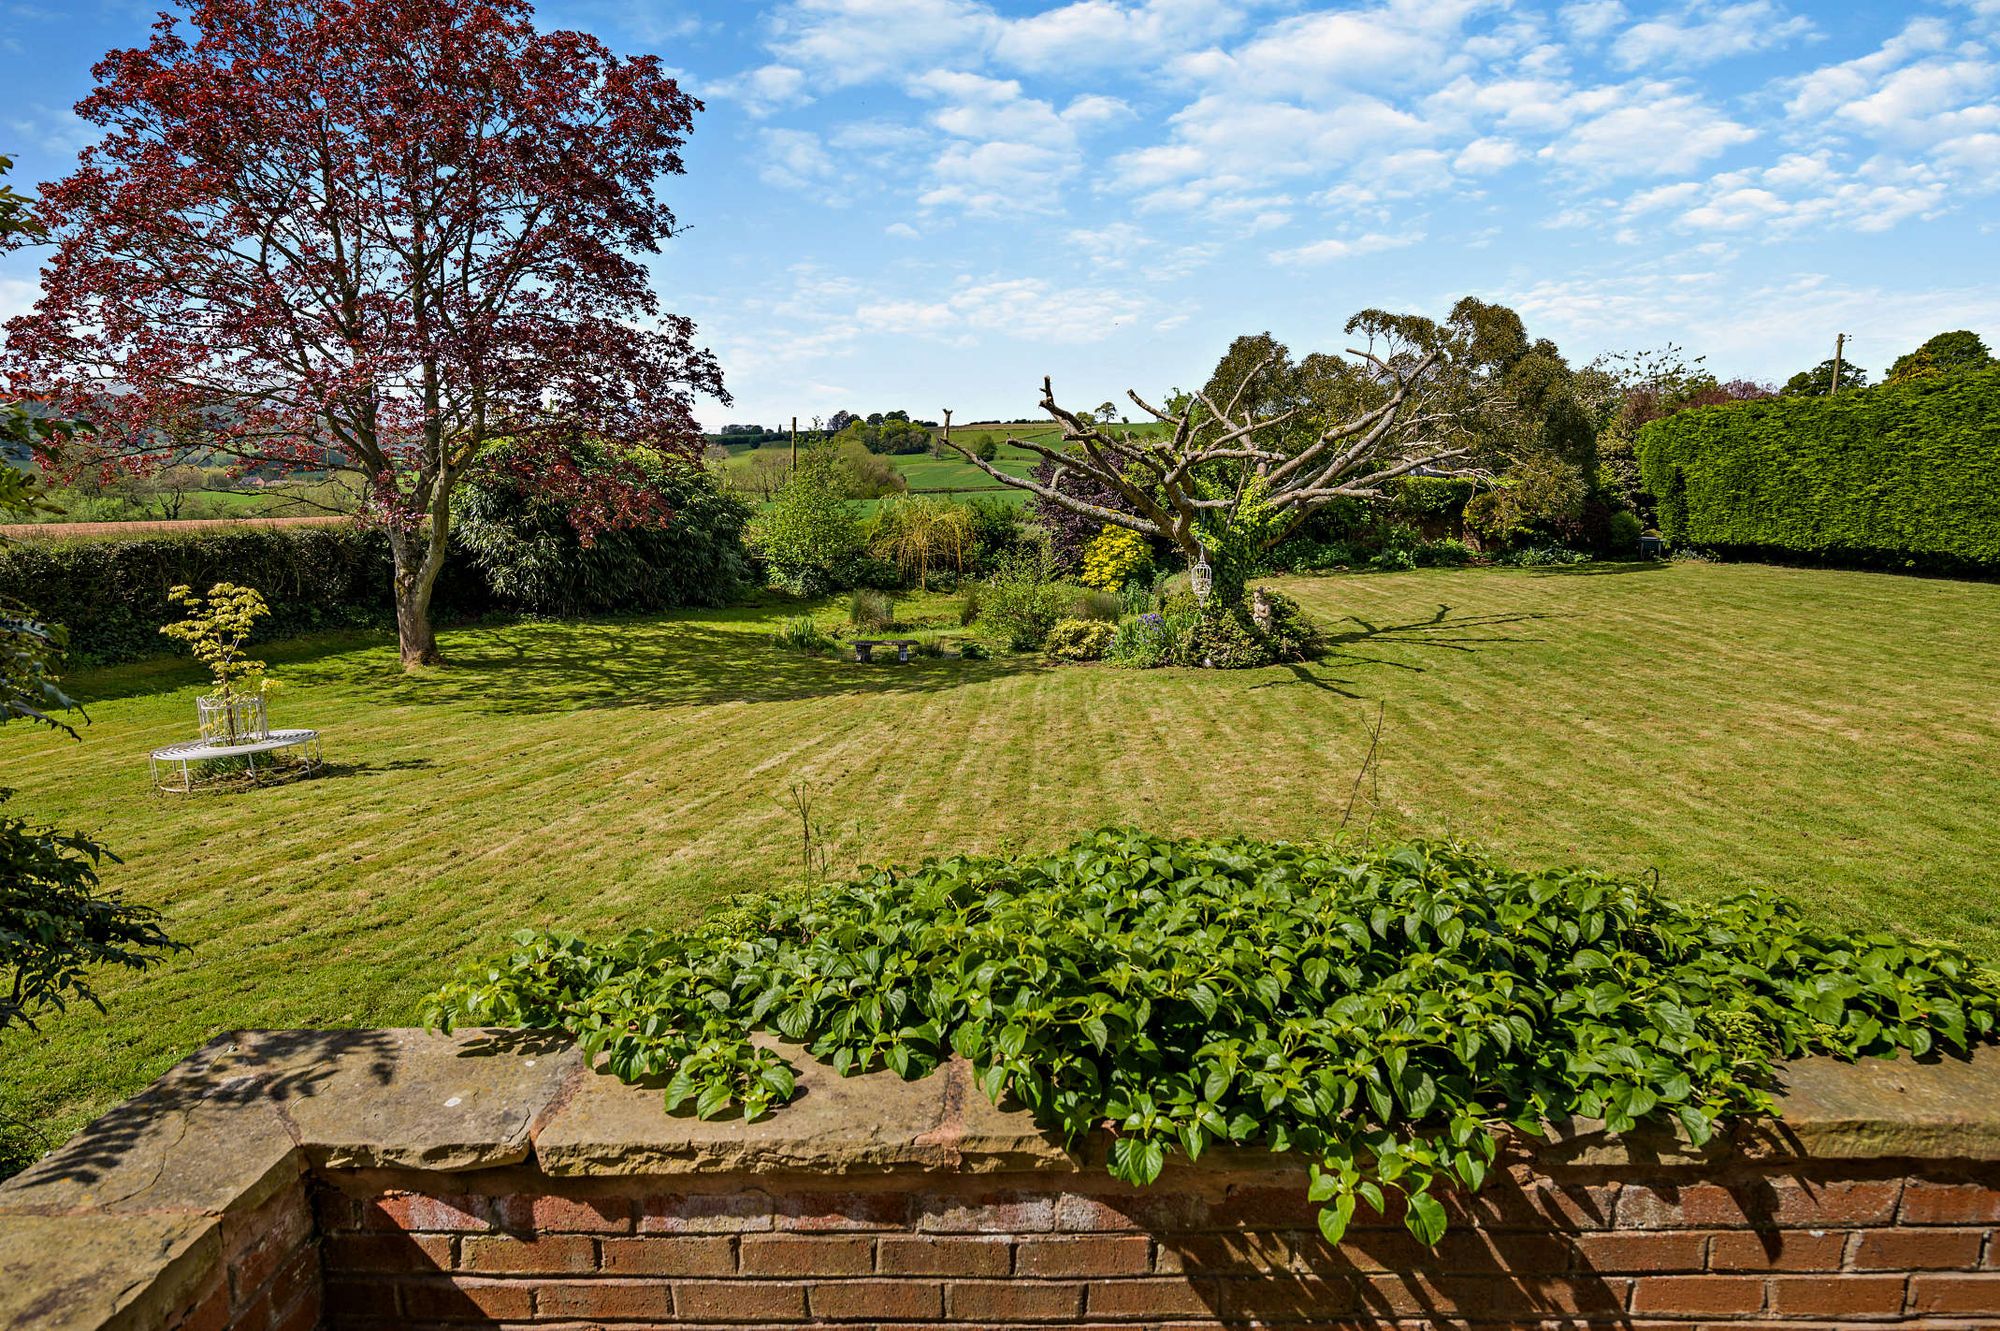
1758,1248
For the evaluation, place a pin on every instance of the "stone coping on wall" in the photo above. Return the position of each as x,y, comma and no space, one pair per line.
115,1226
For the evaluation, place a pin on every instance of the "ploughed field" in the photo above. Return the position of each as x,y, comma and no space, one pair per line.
1833,735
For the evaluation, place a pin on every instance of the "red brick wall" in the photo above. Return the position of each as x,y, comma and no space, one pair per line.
268,1275
1864,1245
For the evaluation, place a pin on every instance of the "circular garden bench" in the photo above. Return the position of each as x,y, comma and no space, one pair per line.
174,767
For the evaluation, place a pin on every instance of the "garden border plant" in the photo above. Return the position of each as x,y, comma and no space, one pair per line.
1378,1010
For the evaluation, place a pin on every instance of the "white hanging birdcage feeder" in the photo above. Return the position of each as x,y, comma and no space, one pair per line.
1201,578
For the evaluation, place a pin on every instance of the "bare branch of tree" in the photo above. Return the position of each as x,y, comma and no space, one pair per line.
1409,420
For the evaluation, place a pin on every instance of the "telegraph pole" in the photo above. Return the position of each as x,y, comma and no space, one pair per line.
1839,350
947,428
795,445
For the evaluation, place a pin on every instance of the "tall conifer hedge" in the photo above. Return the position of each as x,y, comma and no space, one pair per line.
1907,475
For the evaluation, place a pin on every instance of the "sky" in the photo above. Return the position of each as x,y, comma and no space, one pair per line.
932,204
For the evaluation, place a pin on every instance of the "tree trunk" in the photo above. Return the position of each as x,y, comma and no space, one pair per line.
419,557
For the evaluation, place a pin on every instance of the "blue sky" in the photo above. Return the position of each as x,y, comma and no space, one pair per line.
933,203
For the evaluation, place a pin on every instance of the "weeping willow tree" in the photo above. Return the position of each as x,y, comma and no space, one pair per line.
919,531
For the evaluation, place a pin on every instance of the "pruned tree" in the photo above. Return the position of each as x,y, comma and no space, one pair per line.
1249,458
374,237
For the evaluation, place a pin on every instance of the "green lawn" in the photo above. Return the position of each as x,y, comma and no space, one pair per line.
1833,735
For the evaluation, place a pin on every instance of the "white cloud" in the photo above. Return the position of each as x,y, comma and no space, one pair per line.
17,297
1708,33
1101,33
795,159
1650,129
1590,20
1799,191
1009,150
1121,246
846,42
1482,156
1025,308
1918,101
1824,89
1765,329
1317,57
765,90
1326,251
902,231
989,178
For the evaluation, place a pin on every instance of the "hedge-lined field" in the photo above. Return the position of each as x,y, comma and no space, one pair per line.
1906,473
1727,724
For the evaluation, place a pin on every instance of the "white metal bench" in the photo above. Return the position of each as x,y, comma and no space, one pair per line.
173,766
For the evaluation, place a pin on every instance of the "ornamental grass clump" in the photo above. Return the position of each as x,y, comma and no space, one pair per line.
1376,1010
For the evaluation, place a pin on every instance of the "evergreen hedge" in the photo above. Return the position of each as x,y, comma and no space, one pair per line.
1907,474
111,593
508,553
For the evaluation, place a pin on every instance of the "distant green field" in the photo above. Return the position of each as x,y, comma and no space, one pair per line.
952,474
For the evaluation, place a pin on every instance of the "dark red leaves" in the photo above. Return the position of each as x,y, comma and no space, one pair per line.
370,235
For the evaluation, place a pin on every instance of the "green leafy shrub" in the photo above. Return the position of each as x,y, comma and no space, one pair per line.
1116,556
968,606
1444,552
801,636
1376,1010
1902,474
1433,498
1222,637
871,611
972,651
1079,639
527,551
1622,531
1023,601
1143,642
1397,551
1290,632
1298,556
1092,604
809,538
1542,556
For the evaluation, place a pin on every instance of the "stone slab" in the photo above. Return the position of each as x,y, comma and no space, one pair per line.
102,1272
989,1138
1874,1109
1890,1109
413,1099
202,1139
872,1122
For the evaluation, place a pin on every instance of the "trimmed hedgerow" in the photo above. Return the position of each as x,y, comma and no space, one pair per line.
112,594
509,552
1376,1010
1440,498
1902,474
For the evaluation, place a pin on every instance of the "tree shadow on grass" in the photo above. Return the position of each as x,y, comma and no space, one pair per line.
1600,568
531,668
1442,631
